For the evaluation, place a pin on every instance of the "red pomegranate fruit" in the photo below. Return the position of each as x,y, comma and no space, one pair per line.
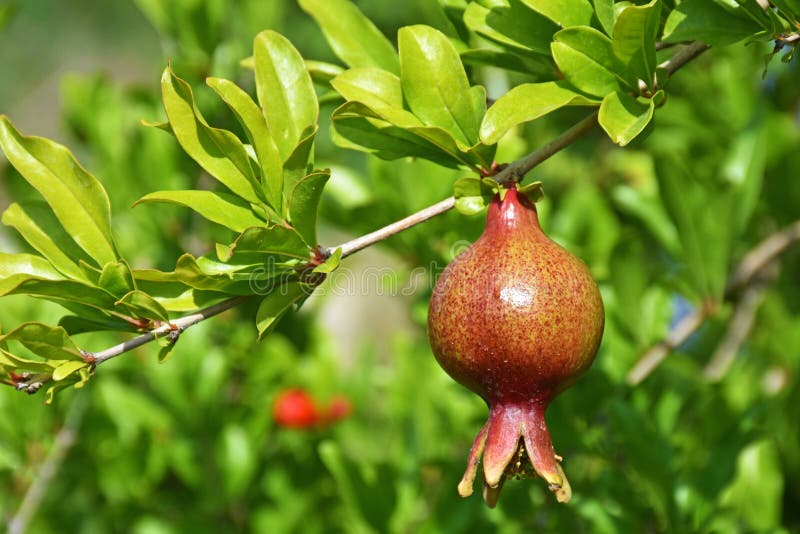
516,319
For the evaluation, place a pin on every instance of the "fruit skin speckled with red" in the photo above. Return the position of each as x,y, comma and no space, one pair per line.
516,319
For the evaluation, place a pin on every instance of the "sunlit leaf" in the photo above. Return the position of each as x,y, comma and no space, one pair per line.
587,59
259,135
222,208
624,117
435,85
352,36
285,92
74,195
525,103
303,204
218,151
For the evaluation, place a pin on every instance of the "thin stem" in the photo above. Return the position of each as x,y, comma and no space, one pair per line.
684,56
353,246
178,325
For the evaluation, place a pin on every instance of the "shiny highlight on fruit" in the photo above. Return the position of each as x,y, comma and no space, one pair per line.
517,319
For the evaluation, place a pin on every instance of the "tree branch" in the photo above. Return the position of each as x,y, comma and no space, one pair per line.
740,323
178,325
747,276
512,172
684,56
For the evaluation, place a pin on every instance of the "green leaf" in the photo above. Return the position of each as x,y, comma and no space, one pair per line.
38,226
525,103
217,151
330,264
377,89
434,83
565,13
221,208
303,205
538,66
512,24
285,91
624,117
707,21
67,368
76,197
49,342
352,36
352,127
276,304
15,268
586,58
116,278
634,40
278,240
259,135
202,274
604,9
473,194
141,305
322,72
14,362
74,324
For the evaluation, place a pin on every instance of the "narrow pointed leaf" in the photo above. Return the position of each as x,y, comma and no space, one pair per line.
435,84
528,102
141,305
221,208
217,151
36,223
303,205
352,36
26,265
386,141
278,240
604,10
634,40
210,276
259,135
285,91
13,362
300,162
76,197
49,342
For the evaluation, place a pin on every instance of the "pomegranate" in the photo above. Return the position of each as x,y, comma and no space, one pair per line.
516,319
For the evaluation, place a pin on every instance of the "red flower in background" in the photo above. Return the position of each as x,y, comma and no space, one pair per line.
295,408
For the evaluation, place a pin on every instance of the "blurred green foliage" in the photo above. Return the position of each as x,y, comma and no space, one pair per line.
190,445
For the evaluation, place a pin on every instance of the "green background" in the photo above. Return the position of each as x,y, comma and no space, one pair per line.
190,445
